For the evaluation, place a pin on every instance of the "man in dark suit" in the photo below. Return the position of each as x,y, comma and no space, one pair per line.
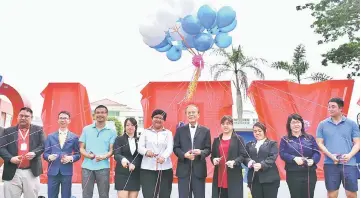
61,151
21,147
192,145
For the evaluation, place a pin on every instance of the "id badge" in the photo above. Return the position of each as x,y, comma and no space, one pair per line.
23,147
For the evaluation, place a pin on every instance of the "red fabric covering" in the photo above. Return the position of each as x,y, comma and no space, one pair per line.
214,99
222,170
274,101
71,97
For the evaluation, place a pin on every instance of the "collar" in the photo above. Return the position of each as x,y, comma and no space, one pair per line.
343,119
63,132
105,127
261,141
152,129
195,126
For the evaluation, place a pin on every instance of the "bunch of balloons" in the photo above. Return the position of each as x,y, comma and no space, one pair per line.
180,29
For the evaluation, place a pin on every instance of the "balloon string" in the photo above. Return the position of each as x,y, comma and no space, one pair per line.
185,42
193,85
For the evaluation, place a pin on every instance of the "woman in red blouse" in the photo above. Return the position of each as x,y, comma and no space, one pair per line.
228,153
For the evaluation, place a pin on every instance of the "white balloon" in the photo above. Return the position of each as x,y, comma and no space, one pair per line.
166,17
151,30
187,7
153,41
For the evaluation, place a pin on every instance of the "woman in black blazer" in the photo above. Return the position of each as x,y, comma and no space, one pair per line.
228,153
263,176
127,169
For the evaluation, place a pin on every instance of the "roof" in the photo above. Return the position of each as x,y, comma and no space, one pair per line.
107,102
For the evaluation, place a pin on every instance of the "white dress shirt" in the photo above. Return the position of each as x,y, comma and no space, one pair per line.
62,137
193,132
132,147
160,143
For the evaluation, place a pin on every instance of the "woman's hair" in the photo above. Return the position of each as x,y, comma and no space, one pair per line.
295,116
261,126
227,118
134,122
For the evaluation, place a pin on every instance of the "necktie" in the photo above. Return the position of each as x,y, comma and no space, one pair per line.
62,137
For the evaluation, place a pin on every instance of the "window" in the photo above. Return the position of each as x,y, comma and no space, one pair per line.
113,113
255,120
141,121
245,121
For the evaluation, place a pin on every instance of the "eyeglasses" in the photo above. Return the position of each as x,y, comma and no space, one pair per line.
63,118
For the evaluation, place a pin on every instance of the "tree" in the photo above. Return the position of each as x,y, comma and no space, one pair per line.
335,20
118,125
299,66
236,62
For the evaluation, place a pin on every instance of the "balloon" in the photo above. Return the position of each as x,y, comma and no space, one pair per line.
213,31
191,25
176,35
166,18
152,42
164,48
182,8
165,42
225,16
1,80
189,41
229,27
207,16
174,54
151,30
203,42
223,40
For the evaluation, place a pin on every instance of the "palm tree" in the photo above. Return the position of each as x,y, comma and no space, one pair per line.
299,67
237,63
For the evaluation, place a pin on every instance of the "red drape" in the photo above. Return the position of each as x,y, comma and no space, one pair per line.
71,97
214,100
275,100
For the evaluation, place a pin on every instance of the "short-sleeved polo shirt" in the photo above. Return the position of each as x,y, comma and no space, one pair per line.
97,142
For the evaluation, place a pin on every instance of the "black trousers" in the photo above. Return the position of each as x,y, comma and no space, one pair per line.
223,192
156,183
263,190
301,183
197,186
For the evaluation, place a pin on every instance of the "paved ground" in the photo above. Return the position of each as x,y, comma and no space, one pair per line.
283,191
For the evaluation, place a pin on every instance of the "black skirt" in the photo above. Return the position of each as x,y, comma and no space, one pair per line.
128,182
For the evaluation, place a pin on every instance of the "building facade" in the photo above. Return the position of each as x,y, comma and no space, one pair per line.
6,113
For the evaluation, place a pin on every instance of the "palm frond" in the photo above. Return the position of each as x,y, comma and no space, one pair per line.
282,65
256,70
219,66
220,72
221,52
319,76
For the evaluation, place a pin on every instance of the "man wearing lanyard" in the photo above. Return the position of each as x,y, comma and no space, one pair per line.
96,145
21,147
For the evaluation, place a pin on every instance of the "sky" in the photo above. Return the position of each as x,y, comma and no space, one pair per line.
98,44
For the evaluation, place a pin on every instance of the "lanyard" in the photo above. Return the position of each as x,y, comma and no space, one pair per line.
22,136
299,139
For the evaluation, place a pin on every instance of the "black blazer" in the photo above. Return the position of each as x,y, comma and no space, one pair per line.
266,156
121,150
9,149
182,144
236,152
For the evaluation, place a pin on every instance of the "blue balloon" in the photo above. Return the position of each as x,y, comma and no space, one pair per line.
225,16
223,40
164,49
174,54
188,41
229,28
164,43
203,42
191,25
214,30
207,16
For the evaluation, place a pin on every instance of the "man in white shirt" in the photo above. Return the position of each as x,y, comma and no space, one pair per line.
156,146
192,145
